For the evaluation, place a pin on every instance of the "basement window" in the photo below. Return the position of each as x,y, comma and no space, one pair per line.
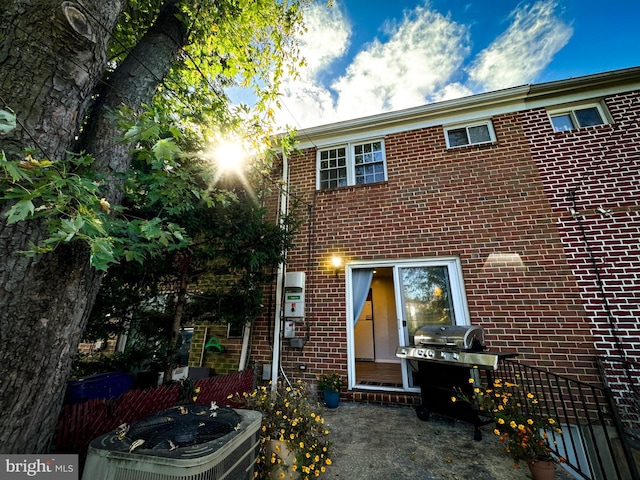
471,134
577,117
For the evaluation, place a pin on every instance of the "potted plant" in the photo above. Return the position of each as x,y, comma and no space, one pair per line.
330,384
294,440
520,423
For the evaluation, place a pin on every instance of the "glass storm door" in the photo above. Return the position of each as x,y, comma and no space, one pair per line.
427,295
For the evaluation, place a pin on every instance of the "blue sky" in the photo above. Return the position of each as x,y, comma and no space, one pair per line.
370,56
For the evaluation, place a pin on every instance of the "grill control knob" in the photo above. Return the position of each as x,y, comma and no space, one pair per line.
420,352
431,353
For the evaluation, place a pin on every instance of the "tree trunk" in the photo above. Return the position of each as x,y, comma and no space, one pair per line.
52,57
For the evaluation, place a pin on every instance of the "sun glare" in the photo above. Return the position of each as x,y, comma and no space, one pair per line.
229,155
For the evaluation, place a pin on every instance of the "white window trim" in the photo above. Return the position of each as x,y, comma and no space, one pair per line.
351,166
488,123
570,110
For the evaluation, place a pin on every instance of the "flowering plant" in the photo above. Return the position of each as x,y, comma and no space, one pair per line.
288,417
521,424
331,382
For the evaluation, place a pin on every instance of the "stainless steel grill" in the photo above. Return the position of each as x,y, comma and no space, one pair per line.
442,359
453,344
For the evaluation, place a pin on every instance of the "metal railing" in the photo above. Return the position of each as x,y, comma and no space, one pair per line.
622,379
592,443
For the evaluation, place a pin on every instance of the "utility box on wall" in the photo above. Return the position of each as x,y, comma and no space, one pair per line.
294,295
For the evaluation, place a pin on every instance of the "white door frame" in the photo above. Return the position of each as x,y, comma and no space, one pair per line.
461,309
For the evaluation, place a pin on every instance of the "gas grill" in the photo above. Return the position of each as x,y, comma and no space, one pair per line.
443,359
451,344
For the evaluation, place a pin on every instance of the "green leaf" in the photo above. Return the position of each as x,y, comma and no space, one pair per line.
20,211
102,254
165,149
7,121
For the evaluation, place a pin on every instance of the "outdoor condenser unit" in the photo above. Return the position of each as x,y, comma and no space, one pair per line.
177,447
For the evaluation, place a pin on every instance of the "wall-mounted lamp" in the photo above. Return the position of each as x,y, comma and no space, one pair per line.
336,263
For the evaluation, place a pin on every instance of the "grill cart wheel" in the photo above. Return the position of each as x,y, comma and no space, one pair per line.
423,413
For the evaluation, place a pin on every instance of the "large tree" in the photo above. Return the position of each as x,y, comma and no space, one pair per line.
71,73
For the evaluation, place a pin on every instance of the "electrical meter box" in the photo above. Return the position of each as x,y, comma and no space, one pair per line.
294,295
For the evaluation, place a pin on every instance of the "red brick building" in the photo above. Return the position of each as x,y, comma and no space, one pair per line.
516,210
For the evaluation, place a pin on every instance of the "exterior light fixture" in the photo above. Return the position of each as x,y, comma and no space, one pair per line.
336,263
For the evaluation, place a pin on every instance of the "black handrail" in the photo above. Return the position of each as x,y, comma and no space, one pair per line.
593,443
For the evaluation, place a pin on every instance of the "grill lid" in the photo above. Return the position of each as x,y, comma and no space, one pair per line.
467,337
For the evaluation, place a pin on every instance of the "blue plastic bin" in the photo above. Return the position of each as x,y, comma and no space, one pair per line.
104,386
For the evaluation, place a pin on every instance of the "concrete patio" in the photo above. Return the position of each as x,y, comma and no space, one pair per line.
375,442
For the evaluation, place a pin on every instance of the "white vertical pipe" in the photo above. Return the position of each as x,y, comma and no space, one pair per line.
246,335
275,361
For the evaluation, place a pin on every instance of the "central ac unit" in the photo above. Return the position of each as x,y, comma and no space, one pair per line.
178,445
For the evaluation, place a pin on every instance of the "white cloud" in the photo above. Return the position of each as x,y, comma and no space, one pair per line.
421,55
423,51
421,59
519,55
306,102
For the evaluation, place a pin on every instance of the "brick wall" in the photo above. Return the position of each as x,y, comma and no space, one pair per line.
601,165
469,202
220,363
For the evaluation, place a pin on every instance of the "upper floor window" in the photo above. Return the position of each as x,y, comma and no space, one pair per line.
351,164
578,117
471,134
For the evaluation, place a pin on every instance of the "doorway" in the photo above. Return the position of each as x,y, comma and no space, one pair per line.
387,302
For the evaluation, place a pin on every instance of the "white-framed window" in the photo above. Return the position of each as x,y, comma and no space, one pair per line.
469,134
577,117
356,163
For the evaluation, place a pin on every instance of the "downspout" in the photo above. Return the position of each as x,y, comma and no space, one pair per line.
275,362
246,335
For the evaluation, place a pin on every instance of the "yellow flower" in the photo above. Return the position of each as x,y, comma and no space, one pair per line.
529,395
496,431
471,380
328,461
281,475
301,444
530,422
552,421
454,399
501,421
513,424
105,205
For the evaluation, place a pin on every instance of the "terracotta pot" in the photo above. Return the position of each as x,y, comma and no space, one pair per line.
284,461
542,469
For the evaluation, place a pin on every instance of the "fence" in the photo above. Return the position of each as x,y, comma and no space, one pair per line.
80,423
592,441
